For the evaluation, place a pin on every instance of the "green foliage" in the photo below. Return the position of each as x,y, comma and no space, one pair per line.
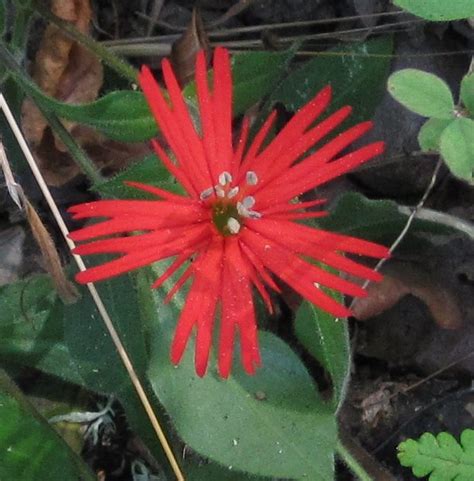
327,339
277,413
30,449
457,148
148,170
3,19
438,10
422,93
467,92
440,457
357,73
430,133
449,131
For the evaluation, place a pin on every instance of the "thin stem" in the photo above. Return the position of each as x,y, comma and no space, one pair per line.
94,293
79,156
112,60
352,463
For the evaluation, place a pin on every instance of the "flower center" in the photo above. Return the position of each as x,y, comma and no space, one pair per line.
228,214
226,218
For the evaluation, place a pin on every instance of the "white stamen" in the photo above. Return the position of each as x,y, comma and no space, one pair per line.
219,191
225,178
205,194
232,192
253,214
233,225
317,285
248,202
241,209
251,178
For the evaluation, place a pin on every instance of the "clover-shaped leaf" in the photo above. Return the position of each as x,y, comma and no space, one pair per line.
440,457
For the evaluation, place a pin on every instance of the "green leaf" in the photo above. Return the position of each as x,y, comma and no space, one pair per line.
148,170
467,92
357,72
438,10
422,92
31,328
327,339
29,448
255,75
430,133
457,148
277,413
441,458
378,221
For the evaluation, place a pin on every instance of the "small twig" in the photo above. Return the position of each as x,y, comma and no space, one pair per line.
407,226
234,10
93,291
154,14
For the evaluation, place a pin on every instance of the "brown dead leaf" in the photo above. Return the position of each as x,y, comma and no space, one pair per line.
185,49
66,289
62,69
401,279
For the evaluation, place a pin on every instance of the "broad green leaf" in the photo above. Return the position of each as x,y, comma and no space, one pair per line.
277,413
31,328
438,10
208,471
148,170
379,221
440,457
467,92
457,148
422,92
357,73
30,449
430,133
327,339
254,75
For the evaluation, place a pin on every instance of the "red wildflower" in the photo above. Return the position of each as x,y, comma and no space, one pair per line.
237,219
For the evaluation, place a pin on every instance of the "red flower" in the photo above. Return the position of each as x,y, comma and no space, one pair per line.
236,223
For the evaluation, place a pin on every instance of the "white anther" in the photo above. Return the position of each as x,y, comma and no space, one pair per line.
248,202
219,191
253,214
232,192
317,285
251,178
233,225
205,194
225,178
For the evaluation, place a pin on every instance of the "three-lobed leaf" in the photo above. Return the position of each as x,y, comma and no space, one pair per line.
457,148
422,92
440,457
438,10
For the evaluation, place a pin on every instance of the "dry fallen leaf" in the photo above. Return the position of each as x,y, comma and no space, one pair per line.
65,70
185,49
401,279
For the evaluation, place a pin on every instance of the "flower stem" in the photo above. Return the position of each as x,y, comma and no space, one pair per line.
352,463
111,59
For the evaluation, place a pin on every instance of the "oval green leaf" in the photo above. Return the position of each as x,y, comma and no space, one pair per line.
438,10
327,339
467,92
430,134
30,449
457,148
277,413
422,93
